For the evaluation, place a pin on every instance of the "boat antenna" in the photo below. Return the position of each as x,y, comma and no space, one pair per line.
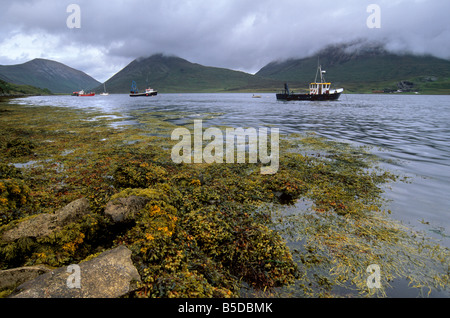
318,68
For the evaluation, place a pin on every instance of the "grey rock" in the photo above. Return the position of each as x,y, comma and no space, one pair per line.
11,278
123,209
73,212
44,224
109,275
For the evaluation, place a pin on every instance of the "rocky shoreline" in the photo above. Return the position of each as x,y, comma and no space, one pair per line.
108,275
79,196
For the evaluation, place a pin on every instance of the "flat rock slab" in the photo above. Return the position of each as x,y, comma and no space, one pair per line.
10,278
109,275
44,224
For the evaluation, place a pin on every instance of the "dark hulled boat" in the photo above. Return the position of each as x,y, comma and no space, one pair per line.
318,91
135,93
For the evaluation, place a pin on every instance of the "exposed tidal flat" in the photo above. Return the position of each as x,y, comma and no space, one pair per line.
213,230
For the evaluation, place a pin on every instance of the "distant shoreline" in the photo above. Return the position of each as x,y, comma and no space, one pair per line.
8,96
11,96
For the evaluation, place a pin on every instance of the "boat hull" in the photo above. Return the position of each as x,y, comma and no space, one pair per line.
83,93
144,94
310,97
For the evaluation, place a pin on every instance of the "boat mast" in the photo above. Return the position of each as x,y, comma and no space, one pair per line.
319,70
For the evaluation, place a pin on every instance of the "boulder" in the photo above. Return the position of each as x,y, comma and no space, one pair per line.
73,212
109,275
122,209
44,224
11,278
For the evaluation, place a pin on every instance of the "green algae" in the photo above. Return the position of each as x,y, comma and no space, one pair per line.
209,229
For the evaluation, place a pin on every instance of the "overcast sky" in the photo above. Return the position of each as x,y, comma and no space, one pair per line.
238,34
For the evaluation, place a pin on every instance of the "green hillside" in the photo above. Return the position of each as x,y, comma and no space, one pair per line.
364,70
47,74
8,89
169,74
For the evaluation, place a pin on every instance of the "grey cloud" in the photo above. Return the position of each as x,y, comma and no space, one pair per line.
238,34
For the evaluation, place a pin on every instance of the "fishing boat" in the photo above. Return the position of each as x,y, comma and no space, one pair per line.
135,92
318,91
83,93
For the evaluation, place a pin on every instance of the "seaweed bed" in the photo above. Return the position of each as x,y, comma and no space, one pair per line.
209,230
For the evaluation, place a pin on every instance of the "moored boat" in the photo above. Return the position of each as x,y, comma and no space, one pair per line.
83,93
318,91
105,93
134,92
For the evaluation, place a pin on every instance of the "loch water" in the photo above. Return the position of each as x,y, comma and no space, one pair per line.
410,133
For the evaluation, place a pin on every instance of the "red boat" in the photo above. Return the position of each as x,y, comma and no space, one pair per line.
82,93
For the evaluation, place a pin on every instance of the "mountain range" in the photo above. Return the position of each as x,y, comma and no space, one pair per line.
361,69
47,74
364,69
171,74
